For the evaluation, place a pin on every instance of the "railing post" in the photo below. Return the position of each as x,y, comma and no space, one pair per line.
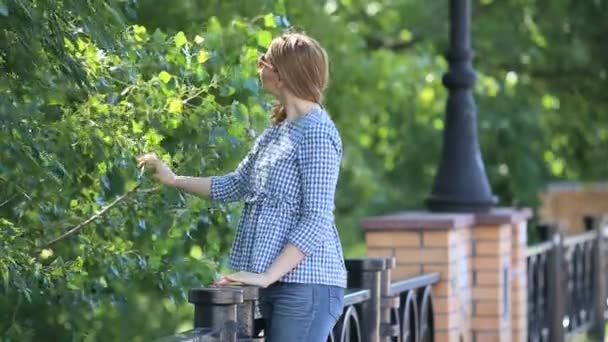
599,277
557,292
365,273
388,302
246,312
215,308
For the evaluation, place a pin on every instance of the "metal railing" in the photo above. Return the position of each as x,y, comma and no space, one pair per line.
567,280
375,308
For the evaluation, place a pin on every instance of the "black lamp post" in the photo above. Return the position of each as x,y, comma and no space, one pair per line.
461,184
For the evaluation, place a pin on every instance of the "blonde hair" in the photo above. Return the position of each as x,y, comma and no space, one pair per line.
302,65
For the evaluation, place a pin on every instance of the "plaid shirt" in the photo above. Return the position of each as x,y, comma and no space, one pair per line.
288,182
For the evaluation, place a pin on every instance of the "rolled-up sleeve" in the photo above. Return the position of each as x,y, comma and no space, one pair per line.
234,185
319,161
228,188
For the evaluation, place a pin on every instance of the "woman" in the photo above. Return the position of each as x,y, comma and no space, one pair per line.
286,241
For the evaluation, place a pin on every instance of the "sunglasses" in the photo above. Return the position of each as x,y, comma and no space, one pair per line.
264,62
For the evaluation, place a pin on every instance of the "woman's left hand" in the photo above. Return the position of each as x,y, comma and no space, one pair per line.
247,278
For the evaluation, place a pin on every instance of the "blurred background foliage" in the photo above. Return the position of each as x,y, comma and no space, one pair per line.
92,249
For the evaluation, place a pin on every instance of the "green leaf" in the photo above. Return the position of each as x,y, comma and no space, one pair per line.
214,25
74,282
152,138
405,35
137,127
196,252
269,20
174,233
264,38
175,106
164,76
140,33
236,130
202,56
46,253
227,91
180,39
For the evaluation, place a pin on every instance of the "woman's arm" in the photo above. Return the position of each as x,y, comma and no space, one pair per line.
319,159
289,258
200,186
227,188
197,185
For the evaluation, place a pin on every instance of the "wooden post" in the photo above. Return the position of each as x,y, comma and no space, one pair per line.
365,273
246,312
215,308
389,330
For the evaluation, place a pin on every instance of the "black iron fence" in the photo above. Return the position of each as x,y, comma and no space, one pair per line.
567,279
376,308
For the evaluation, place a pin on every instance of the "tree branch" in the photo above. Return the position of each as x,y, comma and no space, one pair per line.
22,190
8,200
76,229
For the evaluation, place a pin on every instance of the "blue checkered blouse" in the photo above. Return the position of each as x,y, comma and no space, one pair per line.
288,182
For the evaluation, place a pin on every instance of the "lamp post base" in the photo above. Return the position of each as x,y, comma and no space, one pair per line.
452,205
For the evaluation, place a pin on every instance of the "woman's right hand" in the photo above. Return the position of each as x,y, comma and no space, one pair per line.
162,172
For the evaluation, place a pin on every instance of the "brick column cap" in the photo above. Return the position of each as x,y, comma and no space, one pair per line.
498,216
418,220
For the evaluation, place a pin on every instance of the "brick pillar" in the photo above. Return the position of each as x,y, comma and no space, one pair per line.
519,282
499,276
491,283
425,242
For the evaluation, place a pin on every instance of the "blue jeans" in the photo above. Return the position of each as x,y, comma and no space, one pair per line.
300,312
